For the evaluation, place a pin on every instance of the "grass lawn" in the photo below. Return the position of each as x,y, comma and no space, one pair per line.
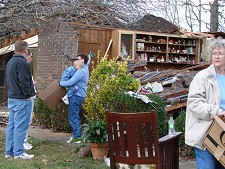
49,155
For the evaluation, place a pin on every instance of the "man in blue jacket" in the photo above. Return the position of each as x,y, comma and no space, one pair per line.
68,73
20,89
80,79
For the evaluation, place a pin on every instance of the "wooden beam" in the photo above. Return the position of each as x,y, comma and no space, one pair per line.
91,26
6,41
110,42
33,31
22,36
176,106
200,66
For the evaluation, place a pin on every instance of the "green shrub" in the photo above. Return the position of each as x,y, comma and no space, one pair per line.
56,119
185,150
126,104
179,125
43,116
60,120
106,80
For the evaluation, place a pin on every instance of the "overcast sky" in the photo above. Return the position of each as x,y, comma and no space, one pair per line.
205,16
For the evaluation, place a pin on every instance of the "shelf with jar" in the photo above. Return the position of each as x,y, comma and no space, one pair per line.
151,48
182,41
150,43
141,47
187,59
182,45
151,57
152,39
182,50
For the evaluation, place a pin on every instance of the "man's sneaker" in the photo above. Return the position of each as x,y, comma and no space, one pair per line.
70,139
65,99
24,156
27,146
8,156
74,140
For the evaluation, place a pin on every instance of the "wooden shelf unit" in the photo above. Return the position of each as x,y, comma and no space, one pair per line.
184,48
155,48
150,47
166,48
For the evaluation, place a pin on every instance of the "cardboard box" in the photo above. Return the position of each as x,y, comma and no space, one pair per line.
52,95
215,139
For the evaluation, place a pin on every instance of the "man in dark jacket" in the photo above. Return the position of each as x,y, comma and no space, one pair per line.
20,88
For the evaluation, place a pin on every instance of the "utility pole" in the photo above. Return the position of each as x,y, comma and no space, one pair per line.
214,10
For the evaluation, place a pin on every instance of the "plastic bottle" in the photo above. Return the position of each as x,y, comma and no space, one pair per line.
171,126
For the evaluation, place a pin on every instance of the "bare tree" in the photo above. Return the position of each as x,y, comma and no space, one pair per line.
214,10
22,15
190,13
18,15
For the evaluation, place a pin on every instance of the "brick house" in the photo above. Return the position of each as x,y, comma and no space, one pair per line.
49,57
56,46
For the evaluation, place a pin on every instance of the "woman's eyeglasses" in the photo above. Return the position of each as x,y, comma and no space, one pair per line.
218,53
77,59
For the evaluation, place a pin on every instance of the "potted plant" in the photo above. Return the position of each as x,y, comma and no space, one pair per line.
95,133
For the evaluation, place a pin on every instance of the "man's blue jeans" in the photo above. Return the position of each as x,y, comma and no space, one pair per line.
18,122
205,160
32,109
75,103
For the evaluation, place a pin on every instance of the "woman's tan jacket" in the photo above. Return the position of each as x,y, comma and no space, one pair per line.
203,101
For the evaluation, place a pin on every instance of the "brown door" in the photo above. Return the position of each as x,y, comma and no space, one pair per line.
87,47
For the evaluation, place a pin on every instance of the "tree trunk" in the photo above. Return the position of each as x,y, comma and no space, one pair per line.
214,9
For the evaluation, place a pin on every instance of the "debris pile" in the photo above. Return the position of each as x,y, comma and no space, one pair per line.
3,118
3,114
171,85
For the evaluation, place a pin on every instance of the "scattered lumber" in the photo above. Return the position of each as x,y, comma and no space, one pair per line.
170,72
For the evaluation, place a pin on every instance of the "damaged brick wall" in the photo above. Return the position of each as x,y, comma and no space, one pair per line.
56,46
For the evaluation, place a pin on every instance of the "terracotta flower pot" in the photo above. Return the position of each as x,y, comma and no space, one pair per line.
98,153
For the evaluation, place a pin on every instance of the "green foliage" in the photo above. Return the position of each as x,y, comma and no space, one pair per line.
107,79
126,104
56,119
43,116
179,125
95,132
60,120
185,150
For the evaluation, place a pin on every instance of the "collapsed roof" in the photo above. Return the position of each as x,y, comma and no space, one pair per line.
153,23
22,15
